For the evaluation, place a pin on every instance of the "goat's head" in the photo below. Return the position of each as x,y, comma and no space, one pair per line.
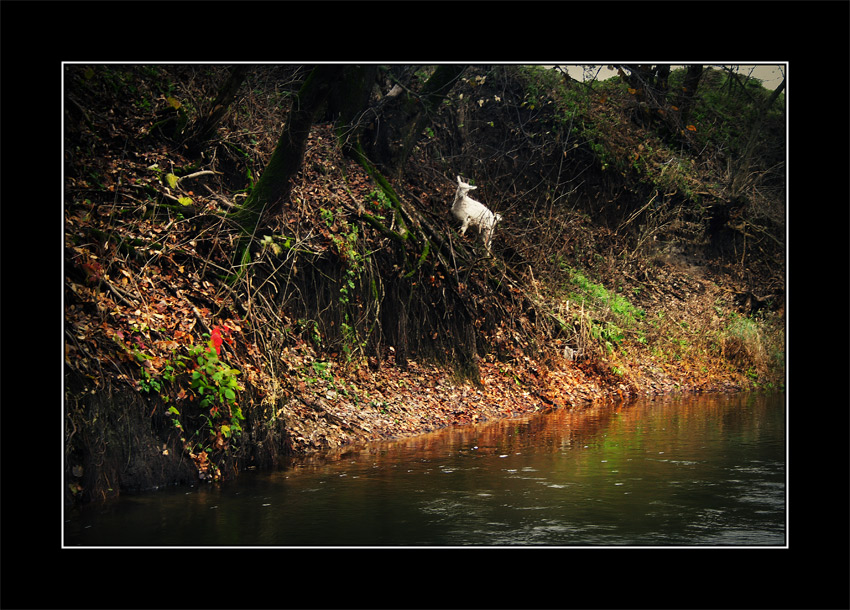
463,188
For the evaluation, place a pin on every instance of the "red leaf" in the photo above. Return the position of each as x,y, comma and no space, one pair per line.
216,339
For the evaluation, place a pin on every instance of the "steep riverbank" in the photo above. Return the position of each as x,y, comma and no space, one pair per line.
345,324
323,407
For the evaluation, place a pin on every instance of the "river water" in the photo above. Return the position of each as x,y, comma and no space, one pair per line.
688,471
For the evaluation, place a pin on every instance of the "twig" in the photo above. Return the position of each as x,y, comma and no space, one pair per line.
636,214
220,197
205,172
123,296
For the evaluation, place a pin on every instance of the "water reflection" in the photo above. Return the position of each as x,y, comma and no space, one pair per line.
690,471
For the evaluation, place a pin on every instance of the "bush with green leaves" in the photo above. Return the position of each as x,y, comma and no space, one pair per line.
213,384
216,385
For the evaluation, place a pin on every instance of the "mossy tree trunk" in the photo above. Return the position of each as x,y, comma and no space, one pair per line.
274,183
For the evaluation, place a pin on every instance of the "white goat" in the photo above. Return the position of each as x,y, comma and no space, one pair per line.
469,211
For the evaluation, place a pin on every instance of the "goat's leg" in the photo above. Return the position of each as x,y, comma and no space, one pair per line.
488,234
465,226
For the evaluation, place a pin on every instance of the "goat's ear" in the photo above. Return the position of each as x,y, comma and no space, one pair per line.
459,181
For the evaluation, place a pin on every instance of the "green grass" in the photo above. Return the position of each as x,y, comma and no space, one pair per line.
609,317
600,297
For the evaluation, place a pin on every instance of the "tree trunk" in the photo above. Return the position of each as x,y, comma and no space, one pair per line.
274,183
775,94
205,126
348,101
403,118
689,89
649,83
